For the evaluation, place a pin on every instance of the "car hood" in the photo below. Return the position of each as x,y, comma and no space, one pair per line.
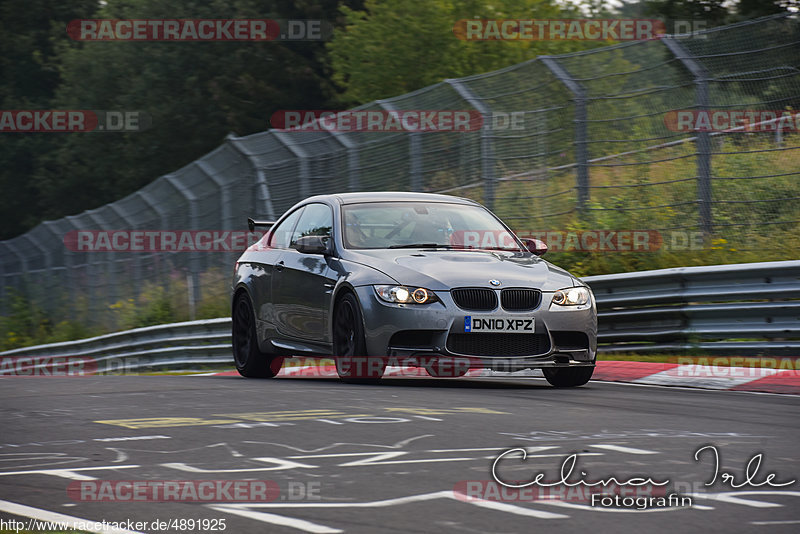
443,269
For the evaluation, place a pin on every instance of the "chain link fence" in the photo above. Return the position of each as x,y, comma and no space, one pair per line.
611,138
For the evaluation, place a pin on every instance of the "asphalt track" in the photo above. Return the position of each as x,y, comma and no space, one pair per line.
395,457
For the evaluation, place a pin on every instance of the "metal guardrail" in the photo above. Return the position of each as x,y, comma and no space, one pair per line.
176,345
749,308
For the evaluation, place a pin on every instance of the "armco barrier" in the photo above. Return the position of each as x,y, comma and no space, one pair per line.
175,345
749,308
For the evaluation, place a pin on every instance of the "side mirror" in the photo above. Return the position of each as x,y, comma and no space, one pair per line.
312,244
535,246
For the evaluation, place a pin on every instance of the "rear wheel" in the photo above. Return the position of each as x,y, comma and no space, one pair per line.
349,347
568,377
250,361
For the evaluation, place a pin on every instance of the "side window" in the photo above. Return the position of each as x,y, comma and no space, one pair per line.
279,238
317,219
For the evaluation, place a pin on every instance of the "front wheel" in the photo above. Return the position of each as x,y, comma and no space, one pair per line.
349,347
250,361
567,377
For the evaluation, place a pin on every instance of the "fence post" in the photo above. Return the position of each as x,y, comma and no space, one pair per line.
414,151
194,267
702,139
581,135
134,259
224,193
302,155
487,146
39,290
66,265
91,261
353,178
23,269
160,267
105,273
261,181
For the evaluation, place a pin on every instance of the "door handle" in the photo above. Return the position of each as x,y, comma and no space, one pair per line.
279,266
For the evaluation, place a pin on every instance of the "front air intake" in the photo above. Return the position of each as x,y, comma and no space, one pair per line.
474,298
520,299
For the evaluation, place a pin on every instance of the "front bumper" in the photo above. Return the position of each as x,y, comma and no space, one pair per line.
419,333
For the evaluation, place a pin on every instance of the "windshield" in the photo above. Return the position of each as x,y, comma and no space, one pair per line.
380,225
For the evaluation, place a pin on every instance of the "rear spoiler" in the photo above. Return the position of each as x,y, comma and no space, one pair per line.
251,224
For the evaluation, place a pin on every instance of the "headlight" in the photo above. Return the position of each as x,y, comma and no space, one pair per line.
406,295
571,296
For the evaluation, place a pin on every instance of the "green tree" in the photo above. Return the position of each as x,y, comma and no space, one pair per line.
750,9
31,32
196,93
393,47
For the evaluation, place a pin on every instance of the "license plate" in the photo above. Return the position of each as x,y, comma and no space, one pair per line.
513,325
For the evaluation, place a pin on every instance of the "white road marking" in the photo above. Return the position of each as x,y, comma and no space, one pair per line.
54,517
732,497
251,510
67,473
280,463
529,449
397,445
132,438
380,458
789,522
274,519
403,500
686,388
514,509
122,456
619,448
528,457
384,458
589,508
706,376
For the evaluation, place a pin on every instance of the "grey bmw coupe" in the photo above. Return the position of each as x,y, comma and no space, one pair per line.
409,279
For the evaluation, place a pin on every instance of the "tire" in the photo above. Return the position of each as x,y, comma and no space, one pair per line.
249,360
568,377
349,347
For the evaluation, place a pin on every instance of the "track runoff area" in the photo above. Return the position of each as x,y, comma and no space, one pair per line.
306,452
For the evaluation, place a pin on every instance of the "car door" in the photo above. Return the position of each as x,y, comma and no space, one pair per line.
300,284
271,249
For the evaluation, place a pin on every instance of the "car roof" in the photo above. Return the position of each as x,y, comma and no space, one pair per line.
390,196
